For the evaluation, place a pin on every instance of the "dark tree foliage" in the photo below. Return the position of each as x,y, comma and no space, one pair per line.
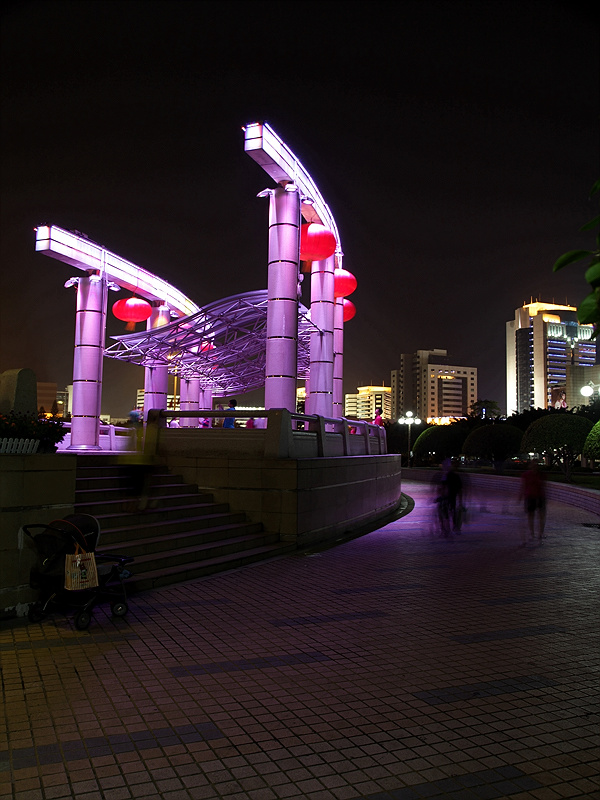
439,442
589,309
486,409
591,448
397,436
525,418
495,442
560,437
590,411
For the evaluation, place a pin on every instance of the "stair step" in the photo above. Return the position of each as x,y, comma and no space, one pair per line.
159,542
153,579
181,555
144,529
182,534
103,493
119,517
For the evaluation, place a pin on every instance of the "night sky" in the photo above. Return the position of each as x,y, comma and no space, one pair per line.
455,143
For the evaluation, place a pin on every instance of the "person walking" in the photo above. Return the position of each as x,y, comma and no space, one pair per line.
533,492
229,421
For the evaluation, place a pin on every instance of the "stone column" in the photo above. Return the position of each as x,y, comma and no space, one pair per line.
281,366
189,394
322,304
156,382
90,332
205,401
338,358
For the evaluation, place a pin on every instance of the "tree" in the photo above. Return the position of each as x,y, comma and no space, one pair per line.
590,410
589,309
484,409
495,442
591,448
525,418
439,442
560,437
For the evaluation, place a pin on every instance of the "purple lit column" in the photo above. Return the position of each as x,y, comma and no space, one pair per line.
189,394
90,329
322,304
156,382
206,402
338,358
281,365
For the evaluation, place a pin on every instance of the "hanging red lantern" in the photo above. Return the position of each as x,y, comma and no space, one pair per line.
349,310
132,310
344,283
316,242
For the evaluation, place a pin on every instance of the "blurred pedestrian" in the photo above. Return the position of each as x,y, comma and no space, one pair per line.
378,418
533,492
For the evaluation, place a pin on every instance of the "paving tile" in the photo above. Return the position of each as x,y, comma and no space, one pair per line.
393,666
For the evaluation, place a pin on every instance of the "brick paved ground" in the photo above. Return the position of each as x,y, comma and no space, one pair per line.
396,665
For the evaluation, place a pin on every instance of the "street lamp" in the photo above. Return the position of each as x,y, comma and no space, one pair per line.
589,389
410,420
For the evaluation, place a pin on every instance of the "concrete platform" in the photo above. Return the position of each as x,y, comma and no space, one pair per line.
398,665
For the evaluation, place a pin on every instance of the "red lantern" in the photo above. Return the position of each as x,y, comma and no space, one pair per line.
316,242
132,310
344,283
349,310
206,346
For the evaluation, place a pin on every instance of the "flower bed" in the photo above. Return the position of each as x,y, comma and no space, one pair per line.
23,435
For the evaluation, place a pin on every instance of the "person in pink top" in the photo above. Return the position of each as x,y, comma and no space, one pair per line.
533,491
378,418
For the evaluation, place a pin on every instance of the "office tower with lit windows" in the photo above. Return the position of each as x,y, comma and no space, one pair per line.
431,387
544,344
363,404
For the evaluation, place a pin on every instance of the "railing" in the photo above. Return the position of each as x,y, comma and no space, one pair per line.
112,438
278,433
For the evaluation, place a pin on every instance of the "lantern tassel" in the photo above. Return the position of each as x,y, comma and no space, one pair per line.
306,266
130,326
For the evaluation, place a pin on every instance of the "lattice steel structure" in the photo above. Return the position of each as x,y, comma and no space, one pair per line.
222,345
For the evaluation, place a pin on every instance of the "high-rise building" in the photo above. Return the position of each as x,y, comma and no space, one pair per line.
543,342
431,387
363,404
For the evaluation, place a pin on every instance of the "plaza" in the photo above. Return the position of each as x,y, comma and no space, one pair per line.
395,665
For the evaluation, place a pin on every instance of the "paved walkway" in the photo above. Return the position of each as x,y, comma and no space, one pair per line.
398,665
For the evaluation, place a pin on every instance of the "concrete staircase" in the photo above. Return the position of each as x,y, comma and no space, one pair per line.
182,534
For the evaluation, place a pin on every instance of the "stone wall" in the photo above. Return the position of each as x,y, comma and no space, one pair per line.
33,490
304,500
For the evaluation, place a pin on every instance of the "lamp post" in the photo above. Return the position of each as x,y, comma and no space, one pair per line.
589,389
410,420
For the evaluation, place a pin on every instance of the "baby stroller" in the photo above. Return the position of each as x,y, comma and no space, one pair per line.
76,533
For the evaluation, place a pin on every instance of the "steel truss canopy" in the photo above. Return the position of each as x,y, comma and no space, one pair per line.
222,345
265,147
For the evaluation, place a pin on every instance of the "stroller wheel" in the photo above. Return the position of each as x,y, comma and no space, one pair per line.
36,613
119,609
82,620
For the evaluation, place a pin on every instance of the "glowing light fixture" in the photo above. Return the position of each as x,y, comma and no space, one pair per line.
410,420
